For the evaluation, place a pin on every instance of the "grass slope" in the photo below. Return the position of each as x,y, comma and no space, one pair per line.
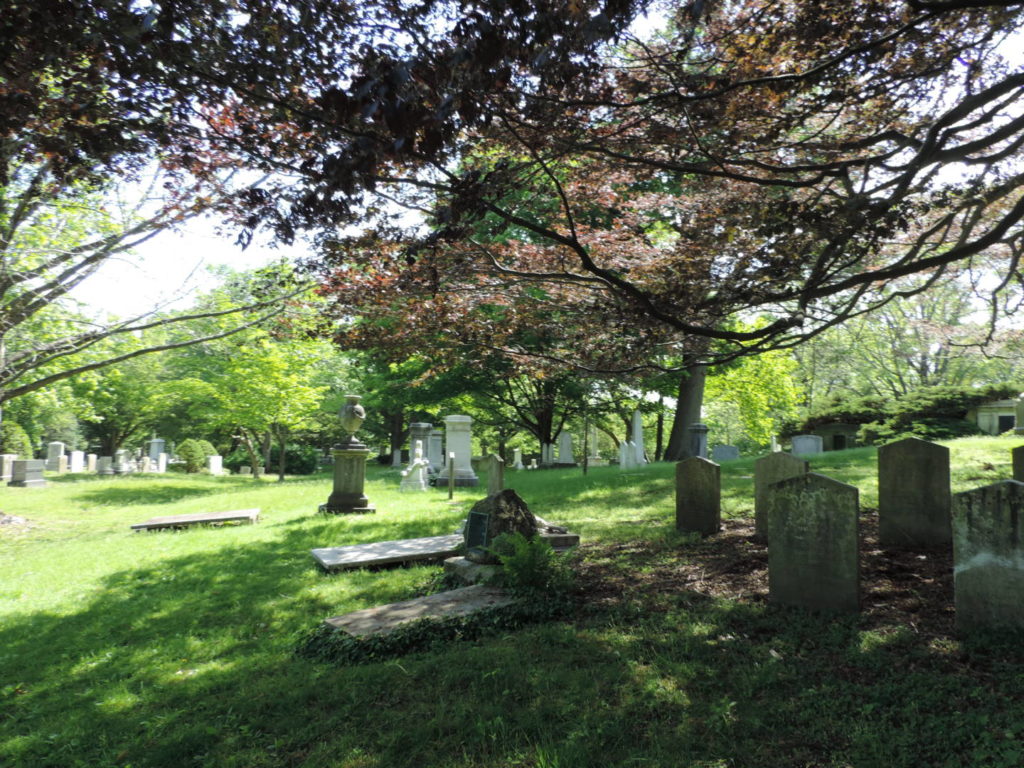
175,648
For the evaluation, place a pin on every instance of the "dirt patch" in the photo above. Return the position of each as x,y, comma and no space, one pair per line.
13,523
897,588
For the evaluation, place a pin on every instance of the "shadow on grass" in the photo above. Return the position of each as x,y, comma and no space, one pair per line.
151,494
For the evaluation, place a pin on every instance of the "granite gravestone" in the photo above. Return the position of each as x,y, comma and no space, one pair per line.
988,557
725,453
54,451
813,544
459,440
768,470
565,451
494,466
7,465
806,445
913,495
27,473
698,496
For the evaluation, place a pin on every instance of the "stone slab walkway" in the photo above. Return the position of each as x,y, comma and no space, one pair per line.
204,518
386,552
456,602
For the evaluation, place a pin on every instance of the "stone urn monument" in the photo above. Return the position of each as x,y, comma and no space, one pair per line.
349,465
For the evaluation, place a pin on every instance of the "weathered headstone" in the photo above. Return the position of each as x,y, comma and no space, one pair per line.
459,440
504,512
988,557
494,466
245,469
768,470
1018,463
7,465
698,496
517,459
396,458
806,445
435,450
533,464
155,447
215,464
90,462
637,435
145,464
62,464
54,451
27,473
699,440
1018,423
414,477
77,461
161,463
121,462
913,494
627,455
565,452
105,465
813,544
725,453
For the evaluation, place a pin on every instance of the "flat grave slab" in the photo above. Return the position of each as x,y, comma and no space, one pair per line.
444,605
386,552
203,518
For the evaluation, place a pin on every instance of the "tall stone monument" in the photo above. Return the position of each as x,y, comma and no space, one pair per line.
565,452
913,495
54,451
349,465
435,450
988,557
813,544
155,447
768,470
698,496
459,440
637,433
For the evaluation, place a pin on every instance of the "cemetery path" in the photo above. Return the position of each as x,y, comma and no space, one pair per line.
898,588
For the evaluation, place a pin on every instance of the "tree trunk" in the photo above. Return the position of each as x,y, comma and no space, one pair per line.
691,396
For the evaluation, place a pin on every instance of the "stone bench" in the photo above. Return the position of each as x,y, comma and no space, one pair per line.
203,518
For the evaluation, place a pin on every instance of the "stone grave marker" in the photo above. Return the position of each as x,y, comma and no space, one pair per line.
698,496
495,469
161,463
62,464
54,451
725,453
245,469
813,544
637,435
442,605
105,465
913,495
7,465
517,459
1018,463
420,430
215,464
90,462
121,462
77,461
988,557
806,445
414,477
699,440
27,473
203,518
565,451
435,450
459,440
767,470
387,552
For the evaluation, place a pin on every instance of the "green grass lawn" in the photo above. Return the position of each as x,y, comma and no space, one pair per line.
176,648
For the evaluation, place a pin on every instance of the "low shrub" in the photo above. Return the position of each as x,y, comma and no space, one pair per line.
14,439
194,452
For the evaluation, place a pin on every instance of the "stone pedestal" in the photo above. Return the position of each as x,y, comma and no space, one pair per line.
459,440
27,474
699,440
53,453
349,478
7,465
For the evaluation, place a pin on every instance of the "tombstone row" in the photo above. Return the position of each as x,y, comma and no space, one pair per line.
811,525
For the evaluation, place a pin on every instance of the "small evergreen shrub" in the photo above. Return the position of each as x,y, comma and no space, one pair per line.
14,439
194,453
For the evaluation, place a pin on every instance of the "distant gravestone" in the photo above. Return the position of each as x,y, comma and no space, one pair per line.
517,459
637,435
54,451
145,464
1018,416
806,445
698,496
155,447
414,477
27,473
566,456
121,463
813,544
76,462
215,464
547,454
90,462
699,440
913,494
495,469
725,453
768,470
435,450
105,465
62,465
1018,463
459,440
396,458
988,557
7,465
161,463
245,469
